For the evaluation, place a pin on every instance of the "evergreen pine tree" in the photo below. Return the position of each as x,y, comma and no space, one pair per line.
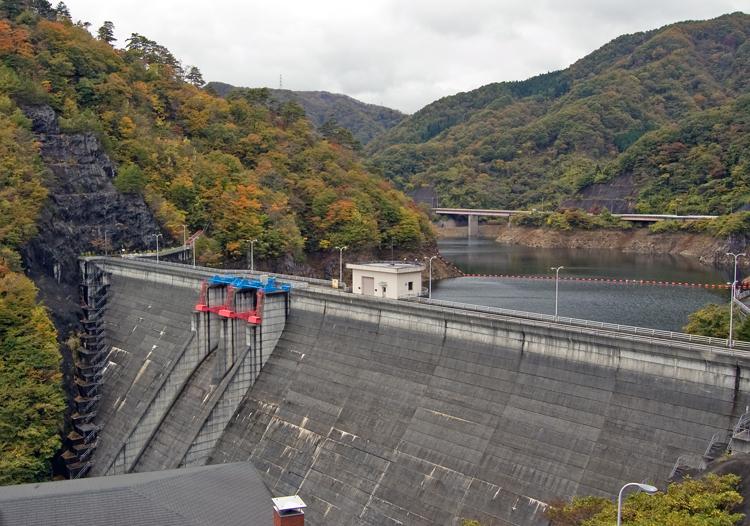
195,77
106,33
62,11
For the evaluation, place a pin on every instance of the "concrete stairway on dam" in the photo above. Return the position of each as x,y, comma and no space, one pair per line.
379,415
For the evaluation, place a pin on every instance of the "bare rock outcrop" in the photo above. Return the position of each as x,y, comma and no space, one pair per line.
84,212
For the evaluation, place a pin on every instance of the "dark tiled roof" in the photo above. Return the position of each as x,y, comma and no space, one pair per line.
219,495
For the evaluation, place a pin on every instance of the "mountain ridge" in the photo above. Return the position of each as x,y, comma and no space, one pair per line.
538,142
365,121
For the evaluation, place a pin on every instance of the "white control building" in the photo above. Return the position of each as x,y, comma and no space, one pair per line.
386,279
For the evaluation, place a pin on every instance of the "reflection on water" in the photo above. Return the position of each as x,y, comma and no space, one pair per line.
646,306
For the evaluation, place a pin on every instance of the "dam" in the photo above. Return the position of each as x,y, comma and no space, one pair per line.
384,412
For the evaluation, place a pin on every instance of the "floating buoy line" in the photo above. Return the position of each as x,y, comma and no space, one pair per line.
649,282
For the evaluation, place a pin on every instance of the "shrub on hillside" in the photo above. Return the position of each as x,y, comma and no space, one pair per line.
720,227
709,501
713,320
665,227
534,219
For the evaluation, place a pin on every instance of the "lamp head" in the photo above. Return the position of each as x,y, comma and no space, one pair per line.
648,488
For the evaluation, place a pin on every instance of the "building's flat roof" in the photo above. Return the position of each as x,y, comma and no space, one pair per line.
293,502
218,495
386,266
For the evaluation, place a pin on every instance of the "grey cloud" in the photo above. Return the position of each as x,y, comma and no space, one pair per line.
399,53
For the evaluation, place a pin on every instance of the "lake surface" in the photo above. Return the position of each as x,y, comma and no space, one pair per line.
659,307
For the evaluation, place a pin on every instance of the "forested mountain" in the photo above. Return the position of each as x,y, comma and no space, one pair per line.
660,118
363,120
241,167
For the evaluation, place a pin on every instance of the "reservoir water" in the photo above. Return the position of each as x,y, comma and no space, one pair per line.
659,307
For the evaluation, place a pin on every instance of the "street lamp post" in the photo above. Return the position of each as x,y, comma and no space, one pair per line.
730,339
184,236
341,263
252,254
157,236
648,488
557,281
429,290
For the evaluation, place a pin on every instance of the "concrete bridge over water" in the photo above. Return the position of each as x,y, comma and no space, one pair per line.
473,215
381,411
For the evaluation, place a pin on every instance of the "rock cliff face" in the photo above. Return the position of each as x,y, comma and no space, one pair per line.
83,213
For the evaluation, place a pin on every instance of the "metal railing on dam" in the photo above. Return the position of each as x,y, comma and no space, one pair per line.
739,348
198,272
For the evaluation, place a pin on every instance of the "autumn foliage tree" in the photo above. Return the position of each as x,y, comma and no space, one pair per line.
31,398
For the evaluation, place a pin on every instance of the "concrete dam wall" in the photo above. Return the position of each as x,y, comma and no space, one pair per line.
385,412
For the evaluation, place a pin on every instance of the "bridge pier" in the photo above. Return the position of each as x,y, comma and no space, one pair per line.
473,226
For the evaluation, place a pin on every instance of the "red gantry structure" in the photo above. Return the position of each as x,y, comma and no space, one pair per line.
227,309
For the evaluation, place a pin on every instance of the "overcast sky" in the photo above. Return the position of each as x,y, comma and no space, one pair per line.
399,53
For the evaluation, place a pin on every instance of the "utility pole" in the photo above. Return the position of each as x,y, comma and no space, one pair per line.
730,339
157,236
341,263
557,281
184,236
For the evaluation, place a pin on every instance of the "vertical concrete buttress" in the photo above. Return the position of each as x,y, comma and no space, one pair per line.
261,342
473,226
